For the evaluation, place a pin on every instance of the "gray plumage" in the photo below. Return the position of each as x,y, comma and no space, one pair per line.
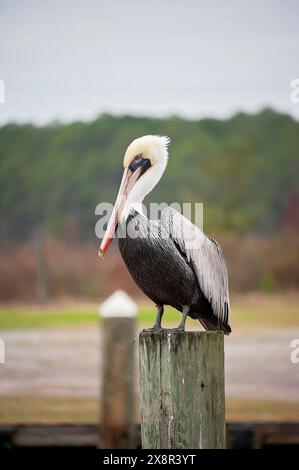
206,258
175,263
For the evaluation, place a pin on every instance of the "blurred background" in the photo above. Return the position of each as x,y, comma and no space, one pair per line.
81,81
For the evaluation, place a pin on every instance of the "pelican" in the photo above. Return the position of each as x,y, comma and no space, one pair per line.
171,260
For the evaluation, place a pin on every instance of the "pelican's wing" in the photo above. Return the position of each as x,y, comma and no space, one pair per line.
206,257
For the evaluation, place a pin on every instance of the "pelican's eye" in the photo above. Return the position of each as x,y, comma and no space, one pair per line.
139,161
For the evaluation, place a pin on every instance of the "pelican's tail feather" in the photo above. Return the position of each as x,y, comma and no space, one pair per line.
213,324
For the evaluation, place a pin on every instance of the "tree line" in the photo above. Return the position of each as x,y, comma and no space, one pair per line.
244,169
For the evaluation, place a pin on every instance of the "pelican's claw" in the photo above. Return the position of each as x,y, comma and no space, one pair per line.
154,328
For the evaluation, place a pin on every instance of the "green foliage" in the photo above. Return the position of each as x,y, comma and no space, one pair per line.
44,317
242,169
268,283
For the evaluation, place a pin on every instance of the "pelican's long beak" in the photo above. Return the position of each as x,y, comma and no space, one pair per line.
128,180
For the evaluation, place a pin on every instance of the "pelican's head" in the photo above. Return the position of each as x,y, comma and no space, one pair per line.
149,147
144,163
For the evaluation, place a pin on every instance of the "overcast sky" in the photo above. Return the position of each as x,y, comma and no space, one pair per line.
69,60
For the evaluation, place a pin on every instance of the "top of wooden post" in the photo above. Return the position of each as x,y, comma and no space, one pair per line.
173,332
118,305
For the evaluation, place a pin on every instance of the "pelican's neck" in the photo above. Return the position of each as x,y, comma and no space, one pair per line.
143,186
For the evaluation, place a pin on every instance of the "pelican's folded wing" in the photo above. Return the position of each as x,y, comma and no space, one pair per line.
206,257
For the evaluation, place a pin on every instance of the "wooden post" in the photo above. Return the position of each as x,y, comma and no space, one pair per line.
117,397
182,390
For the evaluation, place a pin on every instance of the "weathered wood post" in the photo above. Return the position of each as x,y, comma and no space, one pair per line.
117,397
182,390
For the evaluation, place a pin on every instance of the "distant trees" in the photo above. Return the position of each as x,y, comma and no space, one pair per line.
244,169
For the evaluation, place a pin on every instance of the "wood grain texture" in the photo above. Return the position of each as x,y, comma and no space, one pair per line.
117,397
182,390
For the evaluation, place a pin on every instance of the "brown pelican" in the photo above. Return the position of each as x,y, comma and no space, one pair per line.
171,260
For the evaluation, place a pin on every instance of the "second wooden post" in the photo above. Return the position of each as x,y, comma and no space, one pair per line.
117,397
182,390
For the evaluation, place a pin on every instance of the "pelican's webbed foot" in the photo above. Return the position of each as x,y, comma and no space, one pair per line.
154,328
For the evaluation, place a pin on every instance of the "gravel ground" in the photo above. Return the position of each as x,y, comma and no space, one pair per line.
66,362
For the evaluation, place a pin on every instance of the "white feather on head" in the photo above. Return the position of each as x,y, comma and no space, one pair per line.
152,147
